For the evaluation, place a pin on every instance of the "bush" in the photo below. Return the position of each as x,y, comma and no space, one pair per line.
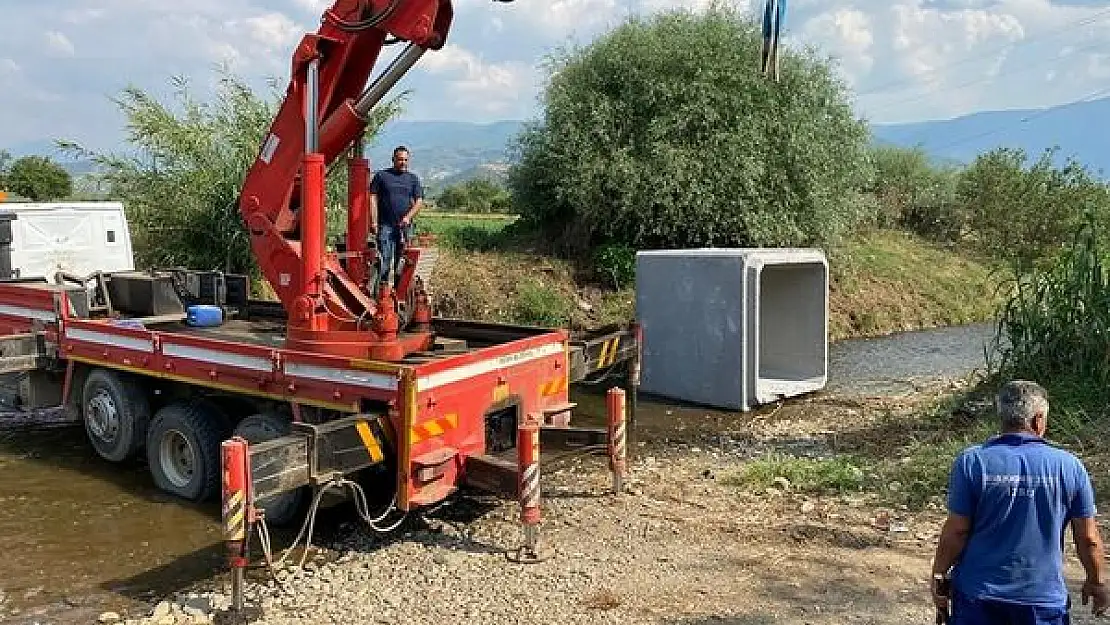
617,264
540,305
916,195
5,165
475,196
1055,329
1056,324
663,133
39,179
1023,214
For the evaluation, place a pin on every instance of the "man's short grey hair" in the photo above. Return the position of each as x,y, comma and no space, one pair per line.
1019,401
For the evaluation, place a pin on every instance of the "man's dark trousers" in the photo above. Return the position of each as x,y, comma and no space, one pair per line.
967,611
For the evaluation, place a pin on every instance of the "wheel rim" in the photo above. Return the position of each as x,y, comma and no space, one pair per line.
103,416
177,458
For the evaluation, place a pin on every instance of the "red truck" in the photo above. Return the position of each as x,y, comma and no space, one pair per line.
345,374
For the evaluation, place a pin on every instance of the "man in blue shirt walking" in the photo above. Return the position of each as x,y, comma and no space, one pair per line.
396,196
1009,501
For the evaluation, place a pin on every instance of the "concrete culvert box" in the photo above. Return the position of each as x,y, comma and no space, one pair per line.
733,328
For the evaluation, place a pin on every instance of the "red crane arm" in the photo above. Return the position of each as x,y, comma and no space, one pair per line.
348,44
330,71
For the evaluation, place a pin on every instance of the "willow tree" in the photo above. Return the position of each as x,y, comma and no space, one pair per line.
663,132
180,179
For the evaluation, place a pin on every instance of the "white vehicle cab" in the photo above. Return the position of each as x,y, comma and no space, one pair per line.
77,238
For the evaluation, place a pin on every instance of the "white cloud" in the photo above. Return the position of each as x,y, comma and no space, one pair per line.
260,38
315,7
477,84
907,59
931,38
846,34
1098,65
555,19
81,16
930,59
57,42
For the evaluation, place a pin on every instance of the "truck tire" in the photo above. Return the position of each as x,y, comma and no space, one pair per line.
279,510
183,450
116,413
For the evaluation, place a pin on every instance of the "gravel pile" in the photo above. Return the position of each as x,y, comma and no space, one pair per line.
451,566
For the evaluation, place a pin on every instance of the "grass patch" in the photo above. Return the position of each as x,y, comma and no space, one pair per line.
918,474
467,232
837,475
541,305
903,458
911,477
887,281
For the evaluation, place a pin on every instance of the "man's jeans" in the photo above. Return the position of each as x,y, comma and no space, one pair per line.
967,611
391,249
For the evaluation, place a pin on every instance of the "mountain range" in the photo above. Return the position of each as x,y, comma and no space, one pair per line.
1078,129
446,152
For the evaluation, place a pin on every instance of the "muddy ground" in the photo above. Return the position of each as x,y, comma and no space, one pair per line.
685,544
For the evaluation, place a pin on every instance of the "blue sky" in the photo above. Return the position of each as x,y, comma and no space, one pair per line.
61,61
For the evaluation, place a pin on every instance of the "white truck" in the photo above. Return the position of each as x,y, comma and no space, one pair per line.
78,238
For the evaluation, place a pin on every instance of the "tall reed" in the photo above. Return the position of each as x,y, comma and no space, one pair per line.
1055,329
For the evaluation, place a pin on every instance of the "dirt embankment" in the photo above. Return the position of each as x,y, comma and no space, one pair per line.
881,282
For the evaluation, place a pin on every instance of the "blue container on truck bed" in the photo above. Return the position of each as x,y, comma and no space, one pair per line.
204,316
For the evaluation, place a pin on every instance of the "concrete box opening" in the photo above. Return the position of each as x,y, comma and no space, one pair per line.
733,328
792,346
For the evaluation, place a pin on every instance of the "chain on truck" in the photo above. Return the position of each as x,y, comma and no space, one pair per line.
343,381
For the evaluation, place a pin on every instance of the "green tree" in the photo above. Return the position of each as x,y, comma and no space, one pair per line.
5,166
476,195
39,178
1023,212
664,133
916,194
180,185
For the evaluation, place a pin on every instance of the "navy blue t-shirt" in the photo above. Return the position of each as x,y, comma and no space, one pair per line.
396,191
1020,493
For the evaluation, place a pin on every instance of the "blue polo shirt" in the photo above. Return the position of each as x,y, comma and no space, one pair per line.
1020,493
396,191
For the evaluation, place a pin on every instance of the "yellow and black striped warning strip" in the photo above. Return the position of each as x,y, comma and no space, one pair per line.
434,427
234,513
553,387
609,351
369,441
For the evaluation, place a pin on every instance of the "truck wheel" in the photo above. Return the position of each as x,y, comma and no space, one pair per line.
116,414
183,450
280,510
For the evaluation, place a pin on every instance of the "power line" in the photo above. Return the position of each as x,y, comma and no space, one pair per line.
1021,69
1048,111
978,56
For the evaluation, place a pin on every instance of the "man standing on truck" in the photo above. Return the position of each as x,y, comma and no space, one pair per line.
1010,501
396,197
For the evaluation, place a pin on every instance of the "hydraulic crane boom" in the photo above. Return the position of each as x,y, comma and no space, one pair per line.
323,116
